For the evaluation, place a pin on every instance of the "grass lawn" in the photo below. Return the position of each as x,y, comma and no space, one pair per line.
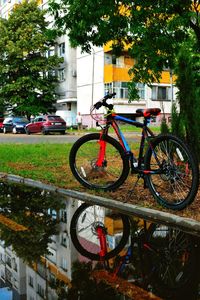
45,162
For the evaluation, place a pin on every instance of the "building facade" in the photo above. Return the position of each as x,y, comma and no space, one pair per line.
44,278
105,72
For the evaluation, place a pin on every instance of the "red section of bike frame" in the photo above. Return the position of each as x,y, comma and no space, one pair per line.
102,151
102,239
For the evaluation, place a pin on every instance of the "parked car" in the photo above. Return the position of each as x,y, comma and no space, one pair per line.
46,124
1,124
15,124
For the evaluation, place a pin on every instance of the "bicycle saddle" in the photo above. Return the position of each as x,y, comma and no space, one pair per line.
148,112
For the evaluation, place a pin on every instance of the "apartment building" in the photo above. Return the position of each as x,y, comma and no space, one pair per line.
106,72
12,272
44,278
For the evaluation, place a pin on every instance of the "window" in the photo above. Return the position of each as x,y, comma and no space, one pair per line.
120,61
141,90
114,59
61,74
108,88
3,274
52,255
30,281
69,106
51,73
121,89
64,238
51,52
64,263
8,261
161,93
14,264
61,49
2,258
63,215
107,59
40,290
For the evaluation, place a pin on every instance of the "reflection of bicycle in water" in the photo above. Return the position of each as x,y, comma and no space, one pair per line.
168,168
155,256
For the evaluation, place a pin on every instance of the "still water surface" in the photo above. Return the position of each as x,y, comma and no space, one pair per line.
37,255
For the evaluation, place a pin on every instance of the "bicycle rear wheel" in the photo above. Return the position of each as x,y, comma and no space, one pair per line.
83,230
175,182
173,263
83,163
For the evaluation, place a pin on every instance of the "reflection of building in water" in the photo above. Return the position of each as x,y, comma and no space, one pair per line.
52,273
12,272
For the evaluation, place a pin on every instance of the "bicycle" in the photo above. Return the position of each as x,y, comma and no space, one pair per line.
157,257
168,167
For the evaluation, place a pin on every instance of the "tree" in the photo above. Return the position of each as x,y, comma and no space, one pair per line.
153,31
28,207
188,83
27,79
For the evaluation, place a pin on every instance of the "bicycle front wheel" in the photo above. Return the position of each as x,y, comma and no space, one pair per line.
83,230
172,172
83,163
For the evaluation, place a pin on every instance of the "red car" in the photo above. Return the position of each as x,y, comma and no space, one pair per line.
1,124
46,124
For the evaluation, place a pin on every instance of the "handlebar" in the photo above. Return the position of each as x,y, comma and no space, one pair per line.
103,102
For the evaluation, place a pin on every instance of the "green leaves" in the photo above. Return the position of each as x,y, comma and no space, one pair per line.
152,30
24,63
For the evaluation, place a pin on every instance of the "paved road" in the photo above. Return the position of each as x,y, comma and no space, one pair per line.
37,138
51,139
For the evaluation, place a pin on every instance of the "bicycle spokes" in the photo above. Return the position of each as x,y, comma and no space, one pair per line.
98,163
171,171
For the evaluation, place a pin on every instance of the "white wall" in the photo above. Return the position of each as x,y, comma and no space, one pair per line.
90,79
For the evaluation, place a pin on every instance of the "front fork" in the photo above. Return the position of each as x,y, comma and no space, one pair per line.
101,233
102,149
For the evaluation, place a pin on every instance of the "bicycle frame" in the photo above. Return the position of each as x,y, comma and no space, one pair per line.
112,119
128,256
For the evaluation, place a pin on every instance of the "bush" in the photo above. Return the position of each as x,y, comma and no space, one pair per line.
164,127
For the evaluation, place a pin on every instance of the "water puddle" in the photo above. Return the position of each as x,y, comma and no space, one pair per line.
37,255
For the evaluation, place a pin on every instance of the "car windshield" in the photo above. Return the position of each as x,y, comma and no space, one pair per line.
20,120
54,118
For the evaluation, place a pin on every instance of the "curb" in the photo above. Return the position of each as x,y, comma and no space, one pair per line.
185,224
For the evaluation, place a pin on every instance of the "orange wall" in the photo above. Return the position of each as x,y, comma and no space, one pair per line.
113,73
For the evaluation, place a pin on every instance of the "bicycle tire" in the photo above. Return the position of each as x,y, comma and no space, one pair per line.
83,157
86,241
173,262
177,184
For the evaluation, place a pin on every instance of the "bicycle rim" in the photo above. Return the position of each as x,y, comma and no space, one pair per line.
84,236
177,184
83,162
173,258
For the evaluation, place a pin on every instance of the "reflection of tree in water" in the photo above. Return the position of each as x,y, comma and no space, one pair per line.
31,208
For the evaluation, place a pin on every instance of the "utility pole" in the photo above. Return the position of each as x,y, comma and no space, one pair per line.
93,62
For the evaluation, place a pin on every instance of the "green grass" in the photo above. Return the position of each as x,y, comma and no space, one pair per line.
45,162
124,128
48,163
